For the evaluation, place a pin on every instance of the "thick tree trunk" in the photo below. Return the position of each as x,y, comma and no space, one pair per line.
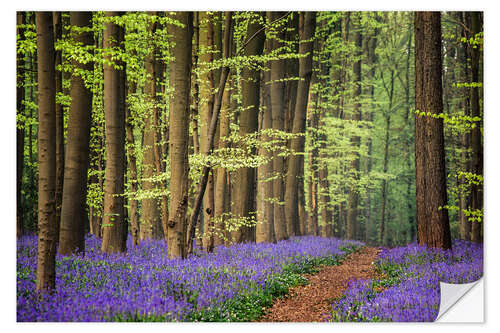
74,201
307,26
150,222
46,263
265,214
352,203
180,74
114,225
432,221
278,124
20,92
244,193
207,85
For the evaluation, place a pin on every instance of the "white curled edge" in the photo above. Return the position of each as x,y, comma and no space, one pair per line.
467,305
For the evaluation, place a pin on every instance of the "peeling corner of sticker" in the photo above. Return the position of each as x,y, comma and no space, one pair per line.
451,295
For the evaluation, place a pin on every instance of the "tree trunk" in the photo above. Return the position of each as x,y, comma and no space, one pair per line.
464,196
20,92
352,203
250,90
228,35
114,225
278,123
433,223
74,201
312,228
46,264
59,125
150,223
307,26
265,227
132,165
180,74
221,187
476,144
206,86
384,181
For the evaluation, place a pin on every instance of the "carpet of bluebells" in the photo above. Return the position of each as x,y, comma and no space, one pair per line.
409,289
233,284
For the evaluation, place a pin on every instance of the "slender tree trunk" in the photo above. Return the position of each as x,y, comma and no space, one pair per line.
278,123
372,59
464,196
307,26
476,144
59,125
384,181
244,193
114,225
20,92
132,165
221,187
74,201
312,228
352,203
46,262
410,129
180,74
433,223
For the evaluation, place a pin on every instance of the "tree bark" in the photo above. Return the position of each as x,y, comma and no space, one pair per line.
476,137
221,187
464,196
132,165
244,194
150,223
206,86
59,125
114,225
46,262
74,201
432,220
278,124
264,229
180,74
228,33
307,26
20,95
352,203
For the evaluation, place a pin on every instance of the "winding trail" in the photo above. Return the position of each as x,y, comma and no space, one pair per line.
309,303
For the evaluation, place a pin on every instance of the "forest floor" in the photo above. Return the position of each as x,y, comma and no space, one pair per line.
309,303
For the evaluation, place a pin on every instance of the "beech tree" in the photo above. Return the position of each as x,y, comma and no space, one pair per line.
114,225
432,219
46,264
180,80
73,211
307,25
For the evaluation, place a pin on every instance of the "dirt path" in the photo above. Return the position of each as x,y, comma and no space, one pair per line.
309,303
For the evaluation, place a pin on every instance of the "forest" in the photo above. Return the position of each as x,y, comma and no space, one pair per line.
198,166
